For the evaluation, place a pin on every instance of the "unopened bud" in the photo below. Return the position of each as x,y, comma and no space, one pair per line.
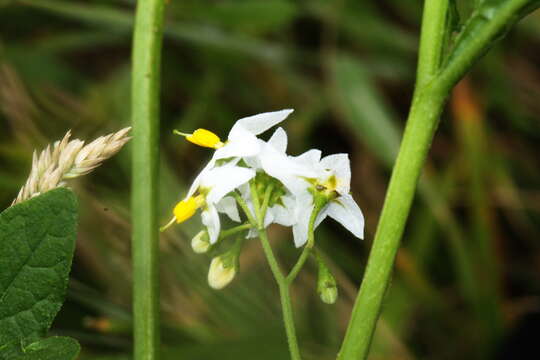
201,242
326,284
221,273
223,268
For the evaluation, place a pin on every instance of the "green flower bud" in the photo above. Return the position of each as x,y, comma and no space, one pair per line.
326,284
201,242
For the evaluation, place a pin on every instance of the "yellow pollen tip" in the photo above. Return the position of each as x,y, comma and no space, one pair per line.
202,137
187,208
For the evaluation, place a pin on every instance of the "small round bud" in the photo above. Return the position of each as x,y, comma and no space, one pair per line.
201,242
221,272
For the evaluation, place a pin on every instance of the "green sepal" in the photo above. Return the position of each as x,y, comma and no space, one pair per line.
326,283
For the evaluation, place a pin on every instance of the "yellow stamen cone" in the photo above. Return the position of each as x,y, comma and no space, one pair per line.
186,208
202,137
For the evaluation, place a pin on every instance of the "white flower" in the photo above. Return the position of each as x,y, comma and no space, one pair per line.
328,177
208,192
282,210
242,140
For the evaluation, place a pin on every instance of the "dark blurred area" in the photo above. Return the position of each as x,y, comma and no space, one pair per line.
467,279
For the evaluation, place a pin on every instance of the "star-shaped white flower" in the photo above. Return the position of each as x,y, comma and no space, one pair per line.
331,177
282,211
208,192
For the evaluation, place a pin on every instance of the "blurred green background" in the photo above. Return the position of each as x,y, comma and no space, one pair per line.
467,279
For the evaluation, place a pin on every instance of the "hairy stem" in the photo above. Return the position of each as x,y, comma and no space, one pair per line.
145,118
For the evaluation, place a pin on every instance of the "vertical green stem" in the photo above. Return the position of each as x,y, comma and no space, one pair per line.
432,36
286,304
283,284
432,87
416,141
145,119
288,320
422,122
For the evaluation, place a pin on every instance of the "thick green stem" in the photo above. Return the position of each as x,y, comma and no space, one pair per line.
145,120
416,141
423,118
431,44
432,88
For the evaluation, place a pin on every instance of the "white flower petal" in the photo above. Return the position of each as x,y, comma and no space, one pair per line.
282,215
210,219
224,179
241,143
197,182
345,211
311,157
300,230
285,169
259,123
279,140
227,205
340,165
253,162
303,209
321,216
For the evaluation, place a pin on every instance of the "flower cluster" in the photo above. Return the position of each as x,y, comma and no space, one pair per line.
269,185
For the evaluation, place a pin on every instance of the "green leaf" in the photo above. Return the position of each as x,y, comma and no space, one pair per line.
53,348
37,240
488,12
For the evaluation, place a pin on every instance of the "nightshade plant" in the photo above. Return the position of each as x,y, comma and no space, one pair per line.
269,186
448,49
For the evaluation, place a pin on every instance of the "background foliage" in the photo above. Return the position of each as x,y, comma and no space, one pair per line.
466,282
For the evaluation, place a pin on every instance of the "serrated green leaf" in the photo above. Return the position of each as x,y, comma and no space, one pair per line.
37,240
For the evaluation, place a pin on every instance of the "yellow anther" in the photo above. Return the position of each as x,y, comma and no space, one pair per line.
186,208
202,137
